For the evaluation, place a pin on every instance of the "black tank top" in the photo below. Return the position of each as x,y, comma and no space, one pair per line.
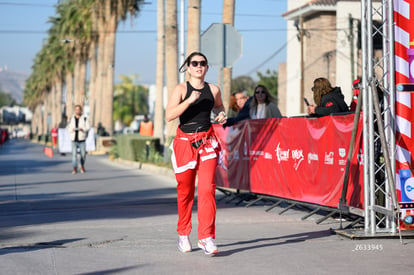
197,116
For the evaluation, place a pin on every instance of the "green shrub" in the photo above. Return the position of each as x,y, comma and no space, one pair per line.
135,147
124,146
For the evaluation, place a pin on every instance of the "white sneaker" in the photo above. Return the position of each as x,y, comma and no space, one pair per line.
184,244
208,246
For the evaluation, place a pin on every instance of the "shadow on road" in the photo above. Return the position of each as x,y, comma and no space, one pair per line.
36,246
36,189
268,242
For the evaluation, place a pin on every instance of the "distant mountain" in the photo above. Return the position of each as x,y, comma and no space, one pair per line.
12,83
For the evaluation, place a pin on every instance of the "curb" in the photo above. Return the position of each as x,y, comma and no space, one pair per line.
147,167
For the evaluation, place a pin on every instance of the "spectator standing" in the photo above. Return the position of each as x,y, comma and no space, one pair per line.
195,151
243,102
241,98
78,128
100,131
233,108
262,105
146,127
238,100
355,88
64,122
62,125
328,100
54,133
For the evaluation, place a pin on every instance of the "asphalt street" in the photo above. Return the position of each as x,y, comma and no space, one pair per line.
117,219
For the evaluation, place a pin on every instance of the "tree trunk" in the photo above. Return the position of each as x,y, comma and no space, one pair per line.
92,83
228,18
46,111
93,63
58,102
69,94
159,100
82,81
38,116
171,46
53,103
77,78
107,89
101,73
193,26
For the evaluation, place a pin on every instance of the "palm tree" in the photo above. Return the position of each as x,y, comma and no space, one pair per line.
66,16
228,18
159,100
40,84
78,15
171,58
93,64
193,26
108,14
57,66
57,60
69,89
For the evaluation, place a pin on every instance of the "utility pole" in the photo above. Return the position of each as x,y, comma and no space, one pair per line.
302,69
182,54
351,45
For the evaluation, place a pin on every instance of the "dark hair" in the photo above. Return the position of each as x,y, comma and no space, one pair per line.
321,87
187,61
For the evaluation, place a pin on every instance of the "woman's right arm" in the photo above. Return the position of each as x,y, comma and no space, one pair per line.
327,107
176,106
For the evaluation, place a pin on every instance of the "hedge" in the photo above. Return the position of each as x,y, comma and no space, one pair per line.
134,147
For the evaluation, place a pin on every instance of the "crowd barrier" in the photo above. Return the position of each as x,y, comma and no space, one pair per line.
297,158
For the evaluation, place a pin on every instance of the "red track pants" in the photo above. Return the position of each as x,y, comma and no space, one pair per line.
206,205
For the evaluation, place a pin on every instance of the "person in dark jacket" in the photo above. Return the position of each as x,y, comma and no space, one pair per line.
328,100
243,114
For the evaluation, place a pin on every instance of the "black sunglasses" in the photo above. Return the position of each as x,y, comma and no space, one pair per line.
260,92
202,63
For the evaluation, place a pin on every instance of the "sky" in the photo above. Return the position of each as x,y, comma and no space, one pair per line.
24,25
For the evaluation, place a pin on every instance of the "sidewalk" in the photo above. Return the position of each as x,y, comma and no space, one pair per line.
117,219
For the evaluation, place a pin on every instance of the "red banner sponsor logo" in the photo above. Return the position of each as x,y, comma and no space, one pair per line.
282,155
312,157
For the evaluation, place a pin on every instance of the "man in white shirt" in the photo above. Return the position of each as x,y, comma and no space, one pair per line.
78,128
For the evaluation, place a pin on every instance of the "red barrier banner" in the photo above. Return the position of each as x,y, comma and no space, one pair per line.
297,158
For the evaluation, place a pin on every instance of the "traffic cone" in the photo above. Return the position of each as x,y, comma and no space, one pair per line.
48,152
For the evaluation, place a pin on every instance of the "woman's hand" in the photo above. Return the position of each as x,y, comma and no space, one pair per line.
311,109
221,118
193,97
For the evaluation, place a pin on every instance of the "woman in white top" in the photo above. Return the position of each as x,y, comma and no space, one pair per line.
262,105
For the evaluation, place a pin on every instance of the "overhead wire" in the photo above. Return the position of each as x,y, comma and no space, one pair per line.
271,56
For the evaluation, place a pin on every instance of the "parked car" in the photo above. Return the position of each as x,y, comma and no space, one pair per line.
19,133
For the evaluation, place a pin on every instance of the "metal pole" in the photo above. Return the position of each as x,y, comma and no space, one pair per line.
386,111
391,88
182,54
390,179
351,45
365,113
371,140
342,200
302,66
